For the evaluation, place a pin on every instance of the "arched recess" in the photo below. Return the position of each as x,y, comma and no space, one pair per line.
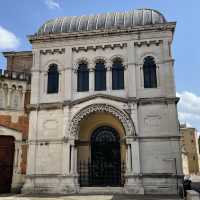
123,117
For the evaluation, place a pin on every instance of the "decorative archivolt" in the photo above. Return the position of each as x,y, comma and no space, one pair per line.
121,115
92,63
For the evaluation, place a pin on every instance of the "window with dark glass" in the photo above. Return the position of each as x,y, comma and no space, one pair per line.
117,75
83,77
149,70
100,76
53,79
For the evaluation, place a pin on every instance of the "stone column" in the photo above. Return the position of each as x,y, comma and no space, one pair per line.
17,181
91,77
72,178
9,97
109,77
35,78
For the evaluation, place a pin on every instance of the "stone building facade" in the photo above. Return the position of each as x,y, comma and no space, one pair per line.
189,142
103,106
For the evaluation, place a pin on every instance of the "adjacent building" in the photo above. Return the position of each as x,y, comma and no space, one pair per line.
14,122
190,144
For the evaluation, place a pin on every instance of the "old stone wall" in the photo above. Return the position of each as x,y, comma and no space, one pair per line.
19,61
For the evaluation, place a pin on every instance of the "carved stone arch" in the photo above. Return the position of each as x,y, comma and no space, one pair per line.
82,59
119,56
79,61
141,60
5,86
50,62
123,117
94,61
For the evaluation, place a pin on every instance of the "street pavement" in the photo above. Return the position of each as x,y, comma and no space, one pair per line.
87,197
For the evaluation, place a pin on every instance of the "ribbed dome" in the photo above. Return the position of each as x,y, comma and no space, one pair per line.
105,21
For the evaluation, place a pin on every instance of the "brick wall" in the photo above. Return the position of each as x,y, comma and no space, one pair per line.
19,61
22,126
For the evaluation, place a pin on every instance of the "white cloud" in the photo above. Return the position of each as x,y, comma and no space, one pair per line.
52,4
8,40
189,109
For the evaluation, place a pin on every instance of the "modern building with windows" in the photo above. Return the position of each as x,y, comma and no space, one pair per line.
103,106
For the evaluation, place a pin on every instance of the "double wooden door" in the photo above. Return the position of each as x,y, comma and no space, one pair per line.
7,149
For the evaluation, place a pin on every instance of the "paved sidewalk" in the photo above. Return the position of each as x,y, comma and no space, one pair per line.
87,197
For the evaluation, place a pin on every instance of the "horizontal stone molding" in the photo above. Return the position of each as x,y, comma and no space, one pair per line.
45,175
161,175
155,138
141,101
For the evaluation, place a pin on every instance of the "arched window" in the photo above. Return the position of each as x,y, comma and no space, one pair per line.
100,76
117,75
53,79
83,77
14,98
149,71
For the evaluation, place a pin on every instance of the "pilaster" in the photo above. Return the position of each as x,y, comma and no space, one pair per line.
133,183
68,81
131,71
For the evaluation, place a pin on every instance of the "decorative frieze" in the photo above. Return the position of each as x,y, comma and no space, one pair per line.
148,43
103,47
52,51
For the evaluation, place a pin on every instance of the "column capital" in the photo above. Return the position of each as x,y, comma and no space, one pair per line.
91,66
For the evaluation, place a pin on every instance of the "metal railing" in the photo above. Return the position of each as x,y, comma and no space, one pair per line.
93,174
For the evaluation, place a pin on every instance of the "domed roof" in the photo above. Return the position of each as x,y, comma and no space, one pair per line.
105,21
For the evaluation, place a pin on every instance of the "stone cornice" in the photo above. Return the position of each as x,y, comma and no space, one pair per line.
95,47
141,101
147,43
170,26
52,51
155,100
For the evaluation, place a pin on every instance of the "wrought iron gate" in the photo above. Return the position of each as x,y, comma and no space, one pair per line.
105,167
102,174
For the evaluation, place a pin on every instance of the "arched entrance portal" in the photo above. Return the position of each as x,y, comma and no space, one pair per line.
105,157
7,148
101,151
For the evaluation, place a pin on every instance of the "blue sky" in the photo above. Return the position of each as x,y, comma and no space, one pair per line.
21,18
